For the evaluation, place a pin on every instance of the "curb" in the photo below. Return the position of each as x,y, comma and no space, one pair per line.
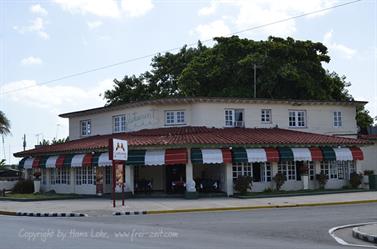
257,207
129,213
363,236
37,214
341,241
55,214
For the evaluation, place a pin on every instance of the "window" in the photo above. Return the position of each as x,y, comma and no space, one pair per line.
234,118
90,175
266,116
85,175
297,118
107,175
78,176
288,169
241,169
174,117
65,176
333,169
265,172
311,170
86,127
44,176
119,123
337,119
52,176
58,176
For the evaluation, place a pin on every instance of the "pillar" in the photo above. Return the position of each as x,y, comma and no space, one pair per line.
129,173
317,170
229,179
72,180
190,187
274,171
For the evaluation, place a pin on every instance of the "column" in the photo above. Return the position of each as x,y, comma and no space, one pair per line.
190,186
274,171
229,179
317,170
129,173
72,178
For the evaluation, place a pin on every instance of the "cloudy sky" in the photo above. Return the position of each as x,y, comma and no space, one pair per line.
46,40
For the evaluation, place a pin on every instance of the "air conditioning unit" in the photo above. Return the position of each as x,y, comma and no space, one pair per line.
240,124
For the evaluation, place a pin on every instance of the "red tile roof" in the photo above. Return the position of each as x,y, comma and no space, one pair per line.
181,137
368,136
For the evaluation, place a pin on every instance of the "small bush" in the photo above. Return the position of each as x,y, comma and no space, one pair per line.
243,183
279,179
23,187
268,190
355,179
322,180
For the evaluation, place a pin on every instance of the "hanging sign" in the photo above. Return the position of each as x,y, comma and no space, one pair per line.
118,149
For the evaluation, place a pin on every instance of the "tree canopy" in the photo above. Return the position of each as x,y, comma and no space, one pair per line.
286,69
4,124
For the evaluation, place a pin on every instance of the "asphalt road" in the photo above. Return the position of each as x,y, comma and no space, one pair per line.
301,228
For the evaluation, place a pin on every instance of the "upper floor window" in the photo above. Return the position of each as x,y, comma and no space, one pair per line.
174,117
297,118
86,127
234,118
119,123
337,119
266,116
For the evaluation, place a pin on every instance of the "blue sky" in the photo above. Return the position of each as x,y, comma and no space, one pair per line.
45,40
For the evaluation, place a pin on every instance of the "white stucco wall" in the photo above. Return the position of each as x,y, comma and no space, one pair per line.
370,158
319,117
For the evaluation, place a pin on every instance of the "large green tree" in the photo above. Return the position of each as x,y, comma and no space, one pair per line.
4,124
286,69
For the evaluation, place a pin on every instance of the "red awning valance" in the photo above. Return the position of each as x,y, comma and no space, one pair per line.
316,154
175,156
272,154
36,163
227,155
357,153
87,161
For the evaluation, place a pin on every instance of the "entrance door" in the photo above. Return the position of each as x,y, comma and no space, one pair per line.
175,178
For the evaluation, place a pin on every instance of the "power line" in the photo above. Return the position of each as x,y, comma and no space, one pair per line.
177,48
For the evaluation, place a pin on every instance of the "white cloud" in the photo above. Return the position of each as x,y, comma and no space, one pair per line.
213,29
209,10
102,8
55,98
260,12
38,9
37,26
94,24
107,8
343,50
31,60
136,8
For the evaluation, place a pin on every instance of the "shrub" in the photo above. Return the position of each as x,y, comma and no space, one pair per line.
279,180
23,187
355,179
368,172
243,183
268,190
322,180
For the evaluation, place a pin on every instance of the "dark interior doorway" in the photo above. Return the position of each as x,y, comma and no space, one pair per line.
176,178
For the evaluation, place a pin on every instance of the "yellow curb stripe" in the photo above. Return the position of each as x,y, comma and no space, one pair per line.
257,207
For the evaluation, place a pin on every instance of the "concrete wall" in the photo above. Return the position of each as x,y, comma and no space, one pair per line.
370,158
319,117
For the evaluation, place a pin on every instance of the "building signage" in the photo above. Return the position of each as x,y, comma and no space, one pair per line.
118,149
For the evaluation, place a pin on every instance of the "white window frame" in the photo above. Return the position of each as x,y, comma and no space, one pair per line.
288,169
266,116
52,176
108,175
85,127
175,117
119,123
230,117
311,169
266,172
337,119
297,119
44,176
78,176
241,169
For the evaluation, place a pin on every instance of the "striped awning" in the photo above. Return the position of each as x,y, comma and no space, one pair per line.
157,157
102,160
242,155
342,154
51,161
77,160
211,156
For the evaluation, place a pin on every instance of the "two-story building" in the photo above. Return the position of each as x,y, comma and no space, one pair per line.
175,143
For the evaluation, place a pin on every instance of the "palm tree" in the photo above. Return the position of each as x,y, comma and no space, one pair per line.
4,124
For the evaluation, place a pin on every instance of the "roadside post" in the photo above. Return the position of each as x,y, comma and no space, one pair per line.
118,154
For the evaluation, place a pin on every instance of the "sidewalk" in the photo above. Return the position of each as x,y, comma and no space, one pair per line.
101,207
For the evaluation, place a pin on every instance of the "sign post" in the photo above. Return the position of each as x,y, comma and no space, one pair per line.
118,154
